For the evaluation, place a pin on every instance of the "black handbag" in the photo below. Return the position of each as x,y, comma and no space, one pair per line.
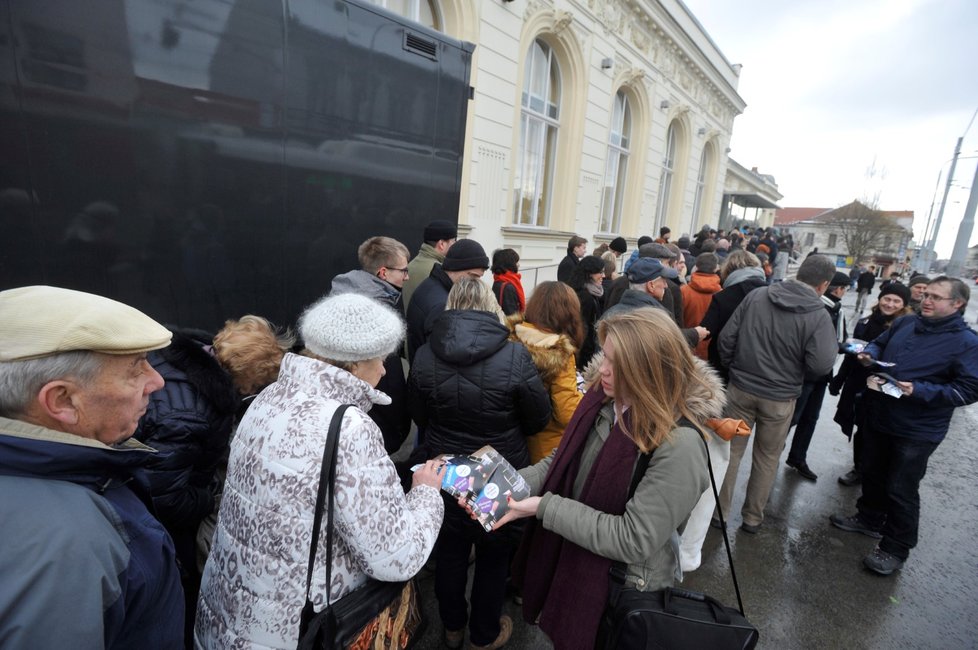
376,615
672,618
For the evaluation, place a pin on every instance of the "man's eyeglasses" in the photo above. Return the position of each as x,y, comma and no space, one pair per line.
933,297
404,270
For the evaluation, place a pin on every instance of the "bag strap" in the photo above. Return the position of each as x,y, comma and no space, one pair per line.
617,571
327,476
723,524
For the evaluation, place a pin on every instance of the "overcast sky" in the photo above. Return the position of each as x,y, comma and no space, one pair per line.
836,87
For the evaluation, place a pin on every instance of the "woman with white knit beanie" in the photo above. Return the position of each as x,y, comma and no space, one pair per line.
253,587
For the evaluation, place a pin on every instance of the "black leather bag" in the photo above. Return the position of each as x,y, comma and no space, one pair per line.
672,618
378,614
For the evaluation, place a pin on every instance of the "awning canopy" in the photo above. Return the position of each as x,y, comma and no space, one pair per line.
751,200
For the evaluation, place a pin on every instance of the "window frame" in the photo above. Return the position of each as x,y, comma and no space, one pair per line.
619,151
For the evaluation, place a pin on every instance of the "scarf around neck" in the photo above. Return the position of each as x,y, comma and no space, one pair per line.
551,569
514,280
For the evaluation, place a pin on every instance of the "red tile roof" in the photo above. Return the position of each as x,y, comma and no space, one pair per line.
787,216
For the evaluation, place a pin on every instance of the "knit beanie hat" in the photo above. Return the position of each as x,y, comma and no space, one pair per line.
897,289
619,245
351,327
591,264
465,254
645,239
920,278
840,280
440,229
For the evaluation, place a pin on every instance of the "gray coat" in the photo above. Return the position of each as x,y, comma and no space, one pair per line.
777,338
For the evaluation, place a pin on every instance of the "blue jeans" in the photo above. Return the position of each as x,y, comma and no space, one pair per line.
892,468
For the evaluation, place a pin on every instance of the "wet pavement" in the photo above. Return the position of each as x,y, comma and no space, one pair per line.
802,579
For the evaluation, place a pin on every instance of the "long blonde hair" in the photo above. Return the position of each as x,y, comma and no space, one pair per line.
653,370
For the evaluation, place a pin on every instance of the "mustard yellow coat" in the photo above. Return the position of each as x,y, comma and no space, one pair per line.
553,355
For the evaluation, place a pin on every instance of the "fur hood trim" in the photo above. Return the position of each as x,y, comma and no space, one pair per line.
706,400
550,352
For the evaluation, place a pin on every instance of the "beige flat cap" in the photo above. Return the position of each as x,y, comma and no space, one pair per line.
40,321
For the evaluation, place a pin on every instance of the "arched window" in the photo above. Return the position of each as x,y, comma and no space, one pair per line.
616,168
420,11
665,181
539,122
706,164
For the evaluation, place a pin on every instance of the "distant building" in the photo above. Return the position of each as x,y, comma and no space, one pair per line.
754,193
819,228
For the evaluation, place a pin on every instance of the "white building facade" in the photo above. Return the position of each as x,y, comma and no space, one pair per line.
590,117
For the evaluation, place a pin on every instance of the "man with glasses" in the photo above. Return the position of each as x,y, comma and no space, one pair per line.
931,369
382,273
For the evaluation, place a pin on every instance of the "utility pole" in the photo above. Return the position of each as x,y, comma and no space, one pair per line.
917,262
964,231
940,214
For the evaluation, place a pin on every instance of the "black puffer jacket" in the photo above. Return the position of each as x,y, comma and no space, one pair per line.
427,302
189,422
471,386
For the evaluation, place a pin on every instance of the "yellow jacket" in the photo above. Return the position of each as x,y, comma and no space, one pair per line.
553,355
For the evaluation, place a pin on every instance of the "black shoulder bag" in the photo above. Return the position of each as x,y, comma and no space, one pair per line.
672,617
378,614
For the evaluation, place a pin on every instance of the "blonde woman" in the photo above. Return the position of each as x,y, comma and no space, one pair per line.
651,397
471,386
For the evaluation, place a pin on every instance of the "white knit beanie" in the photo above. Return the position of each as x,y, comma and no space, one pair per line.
351,327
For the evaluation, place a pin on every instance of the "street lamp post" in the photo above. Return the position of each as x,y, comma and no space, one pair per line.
940,213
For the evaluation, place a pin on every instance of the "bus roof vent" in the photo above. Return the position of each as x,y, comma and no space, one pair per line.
421,46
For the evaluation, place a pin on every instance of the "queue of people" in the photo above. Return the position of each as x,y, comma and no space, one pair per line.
191,463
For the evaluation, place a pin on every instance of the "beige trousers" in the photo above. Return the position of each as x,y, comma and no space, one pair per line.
772,419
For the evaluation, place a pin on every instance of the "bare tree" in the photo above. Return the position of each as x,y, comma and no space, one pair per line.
863,228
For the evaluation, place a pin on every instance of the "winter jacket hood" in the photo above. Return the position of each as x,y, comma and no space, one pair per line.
466,337
708,283
794,296
470,386
365,284
744,274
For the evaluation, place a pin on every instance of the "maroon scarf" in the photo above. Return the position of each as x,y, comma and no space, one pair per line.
512,279
566,585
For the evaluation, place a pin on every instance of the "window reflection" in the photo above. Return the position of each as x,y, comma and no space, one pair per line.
420,11
616,169
538,137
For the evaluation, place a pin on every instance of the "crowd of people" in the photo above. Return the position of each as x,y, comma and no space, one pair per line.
189,464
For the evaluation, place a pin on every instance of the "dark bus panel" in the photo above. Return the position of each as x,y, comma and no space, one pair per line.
202,159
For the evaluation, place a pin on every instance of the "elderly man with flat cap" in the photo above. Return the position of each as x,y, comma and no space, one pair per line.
84,564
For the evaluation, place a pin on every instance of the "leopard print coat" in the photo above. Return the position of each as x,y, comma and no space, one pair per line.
253,586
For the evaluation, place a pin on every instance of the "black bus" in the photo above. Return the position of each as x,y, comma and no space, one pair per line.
203,159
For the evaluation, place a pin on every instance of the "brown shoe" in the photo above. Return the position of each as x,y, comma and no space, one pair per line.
454,638
505,631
